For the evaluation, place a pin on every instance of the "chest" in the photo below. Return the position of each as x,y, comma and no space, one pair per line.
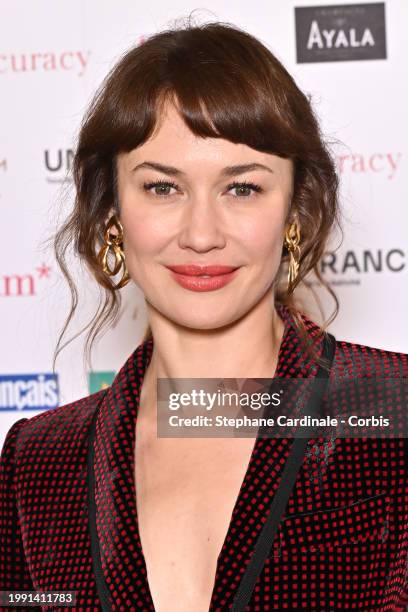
186,490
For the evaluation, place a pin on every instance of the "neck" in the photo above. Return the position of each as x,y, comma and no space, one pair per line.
247,348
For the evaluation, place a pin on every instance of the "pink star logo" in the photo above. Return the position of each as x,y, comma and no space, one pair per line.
43,271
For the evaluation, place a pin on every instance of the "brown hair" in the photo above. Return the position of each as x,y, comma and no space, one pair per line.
227,85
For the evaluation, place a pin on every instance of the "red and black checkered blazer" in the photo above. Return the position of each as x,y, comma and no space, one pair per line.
342,543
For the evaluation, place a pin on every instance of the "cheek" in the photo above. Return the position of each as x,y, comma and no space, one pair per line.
142,237
263,238
144,229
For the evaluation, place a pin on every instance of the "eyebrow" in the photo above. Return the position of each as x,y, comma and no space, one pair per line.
227,171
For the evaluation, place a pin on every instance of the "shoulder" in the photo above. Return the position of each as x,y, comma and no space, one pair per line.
66,425
359,360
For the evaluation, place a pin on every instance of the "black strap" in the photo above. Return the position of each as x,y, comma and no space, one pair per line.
101,586
280,500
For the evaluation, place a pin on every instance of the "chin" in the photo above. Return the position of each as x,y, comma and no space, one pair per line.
207,321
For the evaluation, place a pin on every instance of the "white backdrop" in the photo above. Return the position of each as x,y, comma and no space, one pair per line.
52,58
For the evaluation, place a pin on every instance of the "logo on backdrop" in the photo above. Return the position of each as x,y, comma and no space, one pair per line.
23,285
99,380
386,164
58,165
349,267
75,62
29,391
342,32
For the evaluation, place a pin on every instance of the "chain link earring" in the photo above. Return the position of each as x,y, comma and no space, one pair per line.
292,241
113,242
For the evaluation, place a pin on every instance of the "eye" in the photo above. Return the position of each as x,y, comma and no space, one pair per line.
162,185
244,188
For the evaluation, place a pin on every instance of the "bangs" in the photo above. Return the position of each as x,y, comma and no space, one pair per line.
227,86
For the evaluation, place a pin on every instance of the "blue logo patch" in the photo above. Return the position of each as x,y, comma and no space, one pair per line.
29,391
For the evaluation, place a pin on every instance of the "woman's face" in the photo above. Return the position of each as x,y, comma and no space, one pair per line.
196,216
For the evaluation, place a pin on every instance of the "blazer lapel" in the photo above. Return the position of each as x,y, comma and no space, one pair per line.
120,569
118,560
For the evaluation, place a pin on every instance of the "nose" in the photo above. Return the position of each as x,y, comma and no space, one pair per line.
203,225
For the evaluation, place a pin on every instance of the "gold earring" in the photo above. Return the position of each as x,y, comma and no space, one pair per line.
292,241
114,242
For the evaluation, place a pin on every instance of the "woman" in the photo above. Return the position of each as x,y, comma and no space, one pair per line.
200,174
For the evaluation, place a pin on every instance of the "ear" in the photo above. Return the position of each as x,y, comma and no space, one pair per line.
111,212
292,218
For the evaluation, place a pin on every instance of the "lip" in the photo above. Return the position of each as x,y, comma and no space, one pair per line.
197,270
188,276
